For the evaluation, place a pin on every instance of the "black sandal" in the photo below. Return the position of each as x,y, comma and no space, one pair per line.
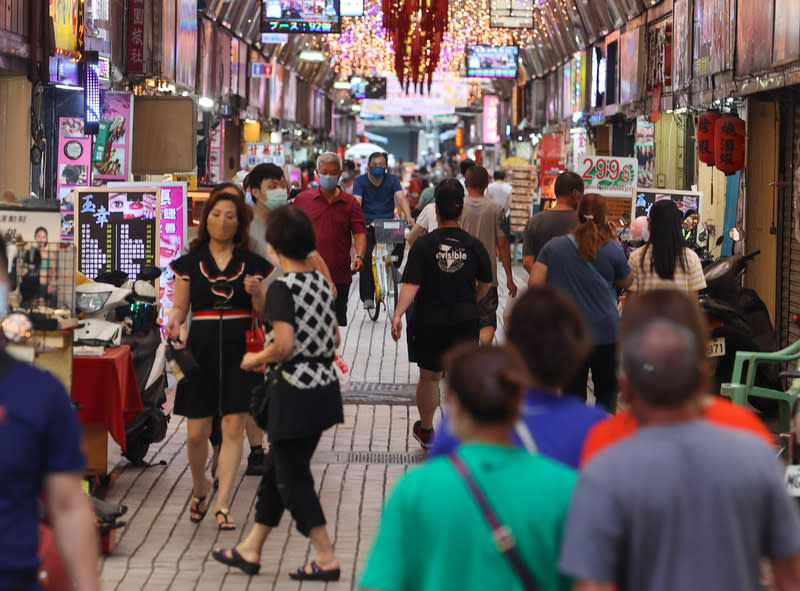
317,573
233,558
227,524
194,507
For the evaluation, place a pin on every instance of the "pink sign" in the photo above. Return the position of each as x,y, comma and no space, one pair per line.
172,238
74,160
490,107
116,164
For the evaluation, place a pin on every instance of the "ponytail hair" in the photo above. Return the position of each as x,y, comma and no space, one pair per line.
592,231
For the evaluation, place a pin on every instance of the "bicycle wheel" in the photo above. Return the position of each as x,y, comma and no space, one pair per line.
375,311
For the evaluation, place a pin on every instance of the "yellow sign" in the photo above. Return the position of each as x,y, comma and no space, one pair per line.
190,178
65,23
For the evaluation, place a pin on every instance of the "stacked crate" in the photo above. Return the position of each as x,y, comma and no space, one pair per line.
523,182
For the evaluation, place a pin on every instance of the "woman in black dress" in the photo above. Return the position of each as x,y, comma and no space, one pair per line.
222,281
301,307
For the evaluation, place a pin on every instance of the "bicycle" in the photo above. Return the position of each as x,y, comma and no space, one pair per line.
384,272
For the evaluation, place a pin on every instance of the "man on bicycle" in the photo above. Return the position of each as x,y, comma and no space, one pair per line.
378,193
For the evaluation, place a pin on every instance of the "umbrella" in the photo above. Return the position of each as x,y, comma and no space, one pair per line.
363,150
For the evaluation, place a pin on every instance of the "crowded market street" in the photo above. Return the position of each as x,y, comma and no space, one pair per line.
355,468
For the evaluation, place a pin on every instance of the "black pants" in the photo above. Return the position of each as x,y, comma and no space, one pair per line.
366,283
288,484
342,294
603,363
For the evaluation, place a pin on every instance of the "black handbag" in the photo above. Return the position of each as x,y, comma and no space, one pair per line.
260,395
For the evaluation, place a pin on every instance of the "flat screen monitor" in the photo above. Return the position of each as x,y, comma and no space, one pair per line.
352,7
371,87
300,16
485,61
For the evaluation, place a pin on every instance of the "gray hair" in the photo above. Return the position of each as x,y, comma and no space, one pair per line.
660,359
329,157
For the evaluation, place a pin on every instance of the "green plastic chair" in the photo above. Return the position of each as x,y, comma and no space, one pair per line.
739,391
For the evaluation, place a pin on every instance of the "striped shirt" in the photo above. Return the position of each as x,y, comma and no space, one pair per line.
691,280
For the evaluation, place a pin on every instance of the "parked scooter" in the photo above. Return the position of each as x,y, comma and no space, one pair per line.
737,317
117,312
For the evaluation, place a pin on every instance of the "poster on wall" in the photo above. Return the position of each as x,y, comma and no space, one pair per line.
608,176
74,162
687,201
172,236
116,230
216,146
645,152
111,158
66,23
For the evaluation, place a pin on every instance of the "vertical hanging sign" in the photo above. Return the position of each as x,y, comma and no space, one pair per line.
136,36
74,160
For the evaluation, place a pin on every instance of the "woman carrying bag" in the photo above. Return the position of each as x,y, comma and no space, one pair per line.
588,265
302,398
222,282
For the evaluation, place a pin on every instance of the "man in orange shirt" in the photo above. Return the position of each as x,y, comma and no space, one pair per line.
677,307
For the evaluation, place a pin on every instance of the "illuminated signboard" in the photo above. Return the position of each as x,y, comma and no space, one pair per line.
485,61
300,16
116,229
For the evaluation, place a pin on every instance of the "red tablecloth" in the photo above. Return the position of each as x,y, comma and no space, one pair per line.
106,388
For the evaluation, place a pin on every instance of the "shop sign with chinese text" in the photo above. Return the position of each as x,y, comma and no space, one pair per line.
136,17
259,153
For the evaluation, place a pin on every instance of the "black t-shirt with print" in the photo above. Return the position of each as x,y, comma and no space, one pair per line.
446,263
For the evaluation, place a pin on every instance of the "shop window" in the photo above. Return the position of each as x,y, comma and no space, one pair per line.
611,72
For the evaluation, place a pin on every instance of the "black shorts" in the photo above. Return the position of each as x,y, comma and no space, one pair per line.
431,343
342,294
487,308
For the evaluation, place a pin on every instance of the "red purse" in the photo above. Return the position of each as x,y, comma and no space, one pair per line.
254,338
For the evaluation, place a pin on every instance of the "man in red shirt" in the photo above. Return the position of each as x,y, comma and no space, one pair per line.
338,223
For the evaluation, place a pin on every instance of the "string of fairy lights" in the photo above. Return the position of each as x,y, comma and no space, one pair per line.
364,47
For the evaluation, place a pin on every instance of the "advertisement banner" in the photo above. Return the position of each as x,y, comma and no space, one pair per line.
412,106
116,229
172,237
258,153
216,146
74,162
117,113
490,111
685,200
186,53
65,23
645,152
136,54
609,176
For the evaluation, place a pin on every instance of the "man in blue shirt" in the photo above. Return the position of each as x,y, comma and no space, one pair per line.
378,193
40,452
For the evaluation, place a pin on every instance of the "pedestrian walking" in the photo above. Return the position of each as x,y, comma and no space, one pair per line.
681,504
546,327
221,280
348,177
676,306
499,190
528,495
302,346
549,223
379,193
665,262
338,225
484,219
447,272
589,265
41,453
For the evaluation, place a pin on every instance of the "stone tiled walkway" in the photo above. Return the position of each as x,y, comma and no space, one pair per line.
355,467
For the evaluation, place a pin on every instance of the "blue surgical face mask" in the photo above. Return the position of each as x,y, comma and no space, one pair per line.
328,181
377,171
275,198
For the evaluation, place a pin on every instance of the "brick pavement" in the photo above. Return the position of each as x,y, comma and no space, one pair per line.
355,467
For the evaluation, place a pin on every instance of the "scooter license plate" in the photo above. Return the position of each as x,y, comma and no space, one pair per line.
792,480
716,347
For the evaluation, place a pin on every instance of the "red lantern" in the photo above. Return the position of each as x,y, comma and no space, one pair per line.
729,144
705,136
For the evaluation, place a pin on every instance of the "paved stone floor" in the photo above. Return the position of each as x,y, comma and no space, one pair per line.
355,467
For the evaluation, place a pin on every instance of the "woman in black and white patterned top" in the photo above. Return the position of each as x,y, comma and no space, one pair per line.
301,307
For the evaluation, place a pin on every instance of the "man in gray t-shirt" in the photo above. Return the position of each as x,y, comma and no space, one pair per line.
682,504
549,223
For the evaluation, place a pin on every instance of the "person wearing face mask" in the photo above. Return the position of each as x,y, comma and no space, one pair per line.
379,193
40,452
348,177
338,223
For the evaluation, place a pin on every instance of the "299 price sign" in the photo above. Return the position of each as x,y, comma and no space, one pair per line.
609,176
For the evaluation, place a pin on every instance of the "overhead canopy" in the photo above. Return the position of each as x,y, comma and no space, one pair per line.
362,150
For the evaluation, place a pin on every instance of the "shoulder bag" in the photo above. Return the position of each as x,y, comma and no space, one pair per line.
606,287
503,539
